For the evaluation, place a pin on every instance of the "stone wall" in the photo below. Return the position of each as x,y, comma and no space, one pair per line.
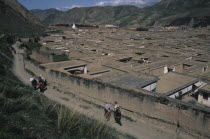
41,57
135,103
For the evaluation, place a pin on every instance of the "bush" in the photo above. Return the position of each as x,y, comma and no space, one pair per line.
77,124
11,106
31,46
12,93
59,58
2,87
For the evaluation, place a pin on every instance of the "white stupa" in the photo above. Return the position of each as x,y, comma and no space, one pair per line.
74,26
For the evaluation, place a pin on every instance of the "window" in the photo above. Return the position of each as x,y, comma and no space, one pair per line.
77,69
205,96
186,66
170,69
205,69
125,60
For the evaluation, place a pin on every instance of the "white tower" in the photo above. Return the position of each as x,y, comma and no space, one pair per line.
74,26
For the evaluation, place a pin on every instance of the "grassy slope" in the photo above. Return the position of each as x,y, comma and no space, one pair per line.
12,21
25,113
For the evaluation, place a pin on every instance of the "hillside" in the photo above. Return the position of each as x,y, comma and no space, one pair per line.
166,13
120,15
43,14
28,114
181,12
17,19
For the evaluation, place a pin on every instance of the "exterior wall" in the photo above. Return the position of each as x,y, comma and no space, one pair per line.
203,101
158,71
195,73
135,103
145,71
163,70
42,58
182,92
179,68
54,65
150,87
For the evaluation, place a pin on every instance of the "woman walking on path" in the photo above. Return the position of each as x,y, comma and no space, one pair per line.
117,113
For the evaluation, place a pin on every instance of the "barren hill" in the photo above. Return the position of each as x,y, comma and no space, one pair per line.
182,12
43,14
96,15
167,12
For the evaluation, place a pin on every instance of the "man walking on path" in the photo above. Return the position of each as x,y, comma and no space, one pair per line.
40,79
33,82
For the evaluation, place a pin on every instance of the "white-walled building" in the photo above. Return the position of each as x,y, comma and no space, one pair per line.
204,95
74,26
111,26
177,85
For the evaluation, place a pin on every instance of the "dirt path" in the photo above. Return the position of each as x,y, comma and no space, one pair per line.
136,129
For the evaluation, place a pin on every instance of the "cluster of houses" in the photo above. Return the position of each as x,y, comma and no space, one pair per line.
174,64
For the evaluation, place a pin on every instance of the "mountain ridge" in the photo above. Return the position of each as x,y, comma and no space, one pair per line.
42,14
183,12
164,13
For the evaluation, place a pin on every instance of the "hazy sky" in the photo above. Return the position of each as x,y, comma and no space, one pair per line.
68,4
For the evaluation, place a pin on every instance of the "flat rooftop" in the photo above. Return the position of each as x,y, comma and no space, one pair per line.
172,82
129,80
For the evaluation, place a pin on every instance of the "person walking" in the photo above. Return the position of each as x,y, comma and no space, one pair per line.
31,79
107,111
116,105
41,87
14,51
34,84
117,113
45,82
40,79
117,116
